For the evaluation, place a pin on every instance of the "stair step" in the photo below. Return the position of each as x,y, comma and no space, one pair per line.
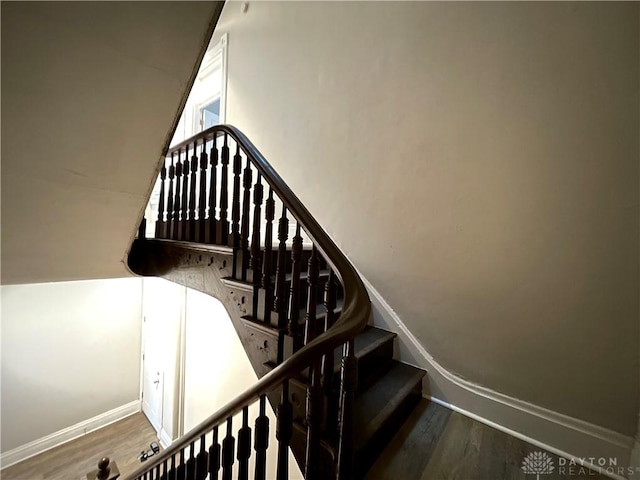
248,286
382,408
369,345
320,313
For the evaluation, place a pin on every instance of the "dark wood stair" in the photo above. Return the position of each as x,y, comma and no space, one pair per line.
300,312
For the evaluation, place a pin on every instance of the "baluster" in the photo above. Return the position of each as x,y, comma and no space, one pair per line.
223,237
284,430
280,302
270,213
202,202
228,447
348,384
327,361
191,463
172,470
176,203
185,195
168,226
314,390
247,178
202,460
293,341
235,209
182,467
160,223
261,441
214,456
213,161
254,263
157,476
142,229
165,470
244,446
312,296
191,236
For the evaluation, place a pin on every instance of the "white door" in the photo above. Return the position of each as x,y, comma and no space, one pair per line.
152,373
162,305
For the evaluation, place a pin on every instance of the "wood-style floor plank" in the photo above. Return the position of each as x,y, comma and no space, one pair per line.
438,444
121,441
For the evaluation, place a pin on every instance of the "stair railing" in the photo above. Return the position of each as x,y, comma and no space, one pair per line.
196,182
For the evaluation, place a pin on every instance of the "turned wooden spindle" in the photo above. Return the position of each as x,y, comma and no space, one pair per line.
235,209
191,462
348,386
223,235
313,273
269,213
193,183
215,456
202,460
313,417
202,200
177,211
247,178
284,431
228,448
244,446
261,441
293,341
254,262
165,470
327,360
168,230
160,222
184,234
280,303
213,162
181,471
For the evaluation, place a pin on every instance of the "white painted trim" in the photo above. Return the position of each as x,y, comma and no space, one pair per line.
43,444
164,438
561,434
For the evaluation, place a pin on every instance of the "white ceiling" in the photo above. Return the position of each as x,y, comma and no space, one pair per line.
90,94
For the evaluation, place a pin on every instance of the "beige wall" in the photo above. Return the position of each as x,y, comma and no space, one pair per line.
90,93
70,352
479,164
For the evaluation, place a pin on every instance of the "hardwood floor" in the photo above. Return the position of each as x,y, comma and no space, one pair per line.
121,441
436,443
433,444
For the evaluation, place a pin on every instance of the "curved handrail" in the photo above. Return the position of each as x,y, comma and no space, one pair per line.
355,315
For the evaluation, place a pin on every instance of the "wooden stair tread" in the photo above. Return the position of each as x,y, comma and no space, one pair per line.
246,285
377,404
365,342
199,247
320,313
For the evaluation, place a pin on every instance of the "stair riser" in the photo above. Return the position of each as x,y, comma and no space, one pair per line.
266,299
367,454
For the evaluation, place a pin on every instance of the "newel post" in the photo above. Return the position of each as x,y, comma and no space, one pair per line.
107,470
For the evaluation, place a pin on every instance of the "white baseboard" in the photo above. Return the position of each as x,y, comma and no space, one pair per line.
43,444
164,438
561,434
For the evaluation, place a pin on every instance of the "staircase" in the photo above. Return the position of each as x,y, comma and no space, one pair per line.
299,308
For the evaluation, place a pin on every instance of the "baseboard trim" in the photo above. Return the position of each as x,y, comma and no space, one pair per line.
55,439
561,434
164,438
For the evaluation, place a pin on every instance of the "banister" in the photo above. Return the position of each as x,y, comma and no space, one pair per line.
356,310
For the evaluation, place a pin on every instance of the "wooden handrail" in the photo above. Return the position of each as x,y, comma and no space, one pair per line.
356,311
